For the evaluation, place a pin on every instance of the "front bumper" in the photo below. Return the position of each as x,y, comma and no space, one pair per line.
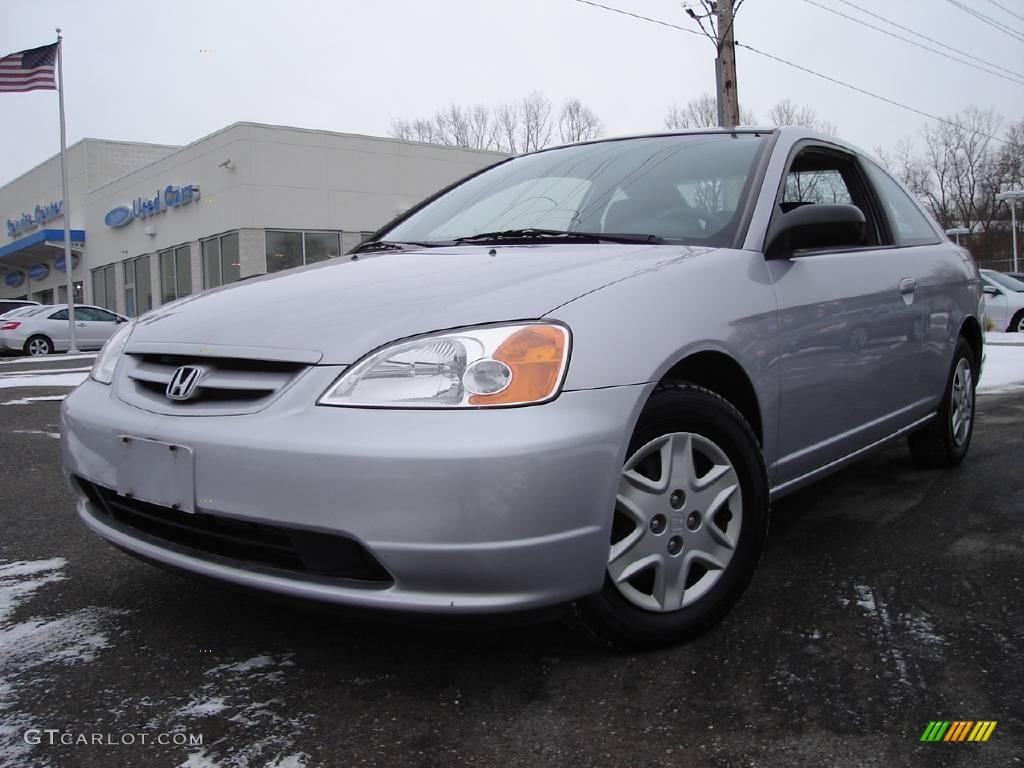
468,511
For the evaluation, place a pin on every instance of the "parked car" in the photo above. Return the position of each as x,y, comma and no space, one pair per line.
1016,275
579,376
1004,300
43,330
6,305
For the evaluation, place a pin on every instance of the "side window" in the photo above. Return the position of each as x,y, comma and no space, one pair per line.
103,316
815,187
60,315
912,227
823,177
85,313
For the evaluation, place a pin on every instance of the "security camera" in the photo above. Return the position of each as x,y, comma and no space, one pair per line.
227,164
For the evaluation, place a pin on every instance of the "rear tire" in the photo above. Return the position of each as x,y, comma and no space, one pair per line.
684,543
944,442
1017,323
38,346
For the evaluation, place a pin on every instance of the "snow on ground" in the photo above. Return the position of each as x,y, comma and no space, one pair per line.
37,646
31,400
998,337
37,371
47,358
1004,366
45,380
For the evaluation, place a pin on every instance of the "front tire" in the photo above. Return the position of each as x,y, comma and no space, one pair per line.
690,522
38,346
943,443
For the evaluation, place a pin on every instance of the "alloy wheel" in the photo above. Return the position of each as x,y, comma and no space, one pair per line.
678,515
962,401
38,347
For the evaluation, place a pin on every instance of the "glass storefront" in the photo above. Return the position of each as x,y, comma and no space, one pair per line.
287,249
221,260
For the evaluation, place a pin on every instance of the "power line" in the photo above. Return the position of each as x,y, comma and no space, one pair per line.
1006,10
913,42
930,39
1018,36
869,93
802,68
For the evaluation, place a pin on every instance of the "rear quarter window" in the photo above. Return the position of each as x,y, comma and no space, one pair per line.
910,224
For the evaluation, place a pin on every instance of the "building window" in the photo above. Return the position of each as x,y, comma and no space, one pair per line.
175,273
104,294
138,290
221,261
293,249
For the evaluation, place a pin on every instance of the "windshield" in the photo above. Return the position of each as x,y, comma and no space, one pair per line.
687,188
1005,281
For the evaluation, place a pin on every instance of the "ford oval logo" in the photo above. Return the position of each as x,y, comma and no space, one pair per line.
14,279
118,217
38,271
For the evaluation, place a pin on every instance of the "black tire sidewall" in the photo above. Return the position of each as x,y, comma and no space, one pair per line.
49,345
958,452
690,409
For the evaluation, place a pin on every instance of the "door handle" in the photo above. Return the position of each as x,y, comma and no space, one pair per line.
80,325
908,285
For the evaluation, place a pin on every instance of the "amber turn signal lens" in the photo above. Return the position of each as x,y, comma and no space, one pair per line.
535,354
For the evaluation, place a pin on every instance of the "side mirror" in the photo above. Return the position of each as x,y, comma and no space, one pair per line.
812,227
122,320
991,290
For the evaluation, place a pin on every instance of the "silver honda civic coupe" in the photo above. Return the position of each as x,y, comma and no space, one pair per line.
577,377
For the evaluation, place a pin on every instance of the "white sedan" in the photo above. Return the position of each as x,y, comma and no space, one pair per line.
43,330
1004,300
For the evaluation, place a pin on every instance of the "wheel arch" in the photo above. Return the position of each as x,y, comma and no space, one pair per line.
722,374
970,330
53,347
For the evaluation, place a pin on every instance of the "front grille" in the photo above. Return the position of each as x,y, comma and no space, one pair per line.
242,542
226,386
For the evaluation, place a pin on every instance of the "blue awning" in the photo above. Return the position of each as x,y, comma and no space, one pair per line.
40,245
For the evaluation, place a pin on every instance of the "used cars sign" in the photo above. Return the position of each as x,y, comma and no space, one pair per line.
143,207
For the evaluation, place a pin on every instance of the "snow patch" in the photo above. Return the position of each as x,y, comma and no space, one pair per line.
31,400
72,638
1003,370
44,380
55,435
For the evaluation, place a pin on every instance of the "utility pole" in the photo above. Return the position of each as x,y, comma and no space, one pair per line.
725,68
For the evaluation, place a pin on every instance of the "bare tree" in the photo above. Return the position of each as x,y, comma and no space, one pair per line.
700,112
959,169
577,122
525,125
537,127
785,112
506,121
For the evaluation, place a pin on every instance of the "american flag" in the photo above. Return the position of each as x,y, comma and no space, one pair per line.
30,70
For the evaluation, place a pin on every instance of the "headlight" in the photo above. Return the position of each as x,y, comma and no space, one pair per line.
106,360
471,368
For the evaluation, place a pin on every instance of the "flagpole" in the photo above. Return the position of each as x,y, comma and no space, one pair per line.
73,348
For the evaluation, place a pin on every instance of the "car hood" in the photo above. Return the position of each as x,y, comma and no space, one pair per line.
335,312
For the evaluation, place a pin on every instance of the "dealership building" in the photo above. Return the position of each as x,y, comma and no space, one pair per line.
151,222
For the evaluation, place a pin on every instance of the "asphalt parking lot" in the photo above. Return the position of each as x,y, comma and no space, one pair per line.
888,597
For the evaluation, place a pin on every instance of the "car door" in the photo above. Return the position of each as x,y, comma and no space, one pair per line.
106,323
55,325
91,328
849,349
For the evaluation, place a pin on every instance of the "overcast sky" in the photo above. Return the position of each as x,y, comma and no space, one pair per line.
135,71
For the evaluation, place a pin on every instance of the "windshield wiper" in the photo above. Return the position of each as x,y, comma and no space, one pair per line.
389,245
533,233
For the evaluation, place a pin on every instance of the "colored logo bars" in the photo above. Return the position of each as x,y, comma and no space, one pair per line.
958,730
